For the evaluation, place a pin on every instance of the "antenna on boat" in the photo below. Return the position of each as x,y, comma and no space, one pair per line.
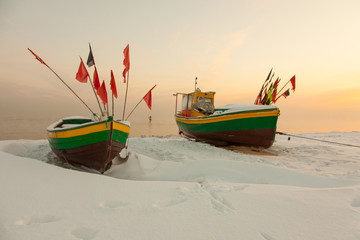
40,60
195,83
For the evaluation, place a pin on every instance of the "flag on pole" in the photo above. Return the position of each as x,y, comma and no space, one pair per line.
113,85
102,93
258,100
286,93
270,95
292,80
38,58
90,61
82,73
96,80
275,90
268,77
126,62
148,98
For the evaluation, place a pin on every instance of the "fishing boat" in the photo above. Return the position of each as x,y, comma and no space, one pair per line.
233,124
87,142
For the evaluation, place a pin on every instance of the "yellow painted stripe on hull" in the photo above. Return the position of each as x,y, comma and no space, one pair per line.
121,127
88,129
222,118
79,131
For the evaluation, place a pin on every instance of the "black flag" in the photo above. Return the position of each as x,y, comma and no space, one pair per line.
90,61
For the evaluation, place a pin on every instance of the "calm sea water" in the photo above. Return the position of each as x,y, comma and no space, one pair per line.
36,128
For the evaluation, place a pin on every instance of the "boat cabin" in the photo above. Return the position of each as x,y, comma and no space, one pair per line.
196,104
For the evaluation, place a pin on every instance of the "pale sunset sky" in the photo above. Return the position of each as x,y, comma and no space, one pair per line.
230,46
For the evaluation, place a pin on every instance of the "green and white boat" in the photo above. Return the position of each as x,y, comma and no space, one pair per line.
233,124
87,142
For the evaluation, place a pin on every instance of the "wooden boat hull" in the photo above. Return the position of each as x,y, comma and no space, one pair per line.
91,143
250,128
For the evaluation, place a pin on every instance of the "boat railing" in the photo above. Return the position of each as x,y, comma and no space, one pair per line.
176,102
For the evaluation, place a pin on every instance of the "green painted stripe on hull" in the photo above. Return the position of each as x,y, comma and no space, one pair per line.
78,141
236,124
119,136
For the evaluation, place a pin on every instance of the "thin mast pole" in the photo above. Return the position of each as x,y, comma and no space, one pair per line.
39,59
112,104
96,96
134,108
263,85
127,86
72,90
282,88
92,85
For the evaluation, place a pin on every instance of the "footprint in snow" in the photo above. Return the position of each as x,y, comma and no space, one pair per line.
113,204
31,220
266,236
356,202
84,233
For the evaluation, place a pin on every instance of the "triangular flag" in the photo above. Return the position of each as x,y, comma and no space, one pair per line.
148,98
96,80
38,58
82,73
126,62
292,80
113,85
102,93
90,61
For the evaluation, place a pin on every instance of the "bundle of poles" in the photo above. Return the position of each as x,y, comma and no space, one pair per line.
100,90
269,93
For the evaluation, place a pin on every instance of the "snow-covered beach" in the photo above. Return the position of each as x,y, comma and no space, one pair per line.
172,188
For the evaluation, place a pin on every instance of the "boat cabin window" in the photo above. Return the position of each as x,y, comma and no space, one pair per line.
187,101
204,105
204,99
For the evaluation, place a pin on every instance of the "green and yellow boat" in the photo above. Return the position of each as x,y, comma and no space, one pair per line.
233,124
87,142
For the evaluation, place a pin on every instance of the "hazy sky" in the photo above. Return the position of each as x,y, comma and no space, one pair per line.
229,45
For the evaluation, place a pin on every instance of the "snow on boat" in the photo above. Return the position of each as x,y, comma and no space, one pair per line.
84,141
233,124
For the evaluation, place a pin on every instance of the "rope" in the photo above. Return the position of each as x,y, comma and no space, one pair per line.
314,139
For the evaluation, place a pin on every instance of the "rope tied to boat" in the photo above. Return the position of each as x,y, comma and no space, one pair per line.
315,139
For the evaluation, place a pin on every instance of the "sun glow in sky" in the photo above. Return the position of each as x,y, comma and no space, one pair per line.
230,46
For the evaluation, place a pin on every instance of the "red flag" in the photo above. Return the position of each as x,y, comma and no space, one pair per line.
96,80
275,90
276,83
102,93
38,58
113,85
82,73
292,80
258,100
126,62
286,93
148,98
